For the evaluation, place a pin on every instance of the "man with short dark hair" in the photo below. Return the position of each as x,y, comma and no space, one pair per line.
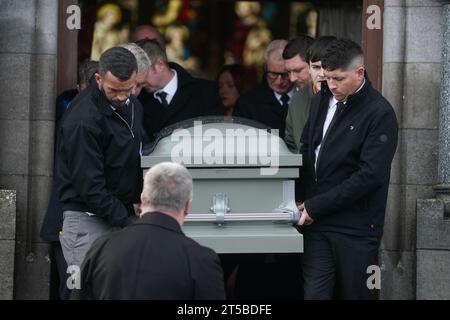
349,141
297,67
171,94
53,220
98,161
153,259
314,58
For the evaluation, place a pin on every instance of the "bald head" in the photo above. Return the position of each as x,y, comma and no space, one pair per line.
147,32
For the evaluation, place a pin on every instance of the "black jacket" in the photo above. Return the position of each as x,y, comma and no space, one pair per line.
348,190
260,104
193,98
151,259
98,160
53,220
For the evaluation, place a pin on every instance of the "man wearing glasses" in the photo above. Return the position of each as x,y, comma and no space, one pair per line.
268,103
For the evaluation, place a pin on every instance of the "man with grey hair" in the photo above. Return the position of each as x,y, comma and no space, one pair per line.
152,258
268,103
143,63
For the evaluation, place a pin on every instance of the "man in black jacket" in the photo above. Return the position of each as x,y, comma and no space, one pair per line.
268,103
98,162
172,94
153,259
348,144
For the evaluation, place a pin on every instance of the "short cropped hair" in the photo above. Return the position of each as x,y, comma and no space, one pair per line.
143,62
153,49
318,47
298,46
119,61
342,54
167,186
150,32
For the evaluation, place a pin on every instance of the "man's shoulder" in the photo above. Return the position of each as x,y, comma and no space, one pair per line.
199,250
257,95
81,110
302,96
204,86
378,103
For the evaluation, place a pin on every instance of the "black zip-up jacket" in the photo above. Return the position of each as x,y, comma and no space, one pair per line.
98,161
347,191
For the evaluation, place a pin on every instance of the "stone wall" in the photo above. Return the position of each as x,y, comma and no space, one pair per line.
411,82
433,250
28,48
7,243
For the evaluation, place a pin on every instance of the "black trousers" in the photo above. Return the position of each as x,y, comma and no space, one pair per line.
335,265
269,276
58,273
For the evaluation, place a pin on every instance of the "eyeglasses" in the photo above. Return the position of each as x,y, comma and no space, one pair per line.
274,75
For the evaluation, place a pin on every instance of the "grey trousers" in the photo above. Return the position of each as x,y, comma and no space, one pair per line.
78,233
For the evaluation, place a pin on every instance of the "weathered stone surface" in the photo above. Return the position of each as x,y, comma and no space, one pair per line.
433,229
15,147
43,72
433,276
420,149
394,24
394,3
14,86
41,148
7,269
393,86
7,215
392,239
424,36
397,275
32,271
409,214
421,107
7,242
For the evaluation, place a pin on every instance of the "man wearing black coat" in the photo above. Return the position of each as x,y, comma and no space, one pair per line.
268,103
98,162
171,94
349,142
152,258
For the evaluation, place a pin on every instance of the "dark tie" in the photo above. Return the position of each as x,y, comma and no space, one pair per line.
285,100
339,109
162,96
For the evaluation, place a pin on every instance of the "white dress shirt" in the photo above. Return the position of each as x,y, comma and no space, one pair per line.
290,94
170,89
332,105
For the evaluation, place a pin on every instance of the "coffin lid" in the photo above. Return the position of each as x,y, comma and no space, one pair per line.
215,142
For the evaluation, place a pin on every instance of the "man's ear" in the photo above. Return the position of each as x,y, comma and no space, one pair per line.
142,198
360,72
159,65
187,207
98,79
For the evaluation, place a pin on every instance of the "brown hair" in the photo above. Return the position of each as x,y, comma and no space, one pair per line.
239,75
